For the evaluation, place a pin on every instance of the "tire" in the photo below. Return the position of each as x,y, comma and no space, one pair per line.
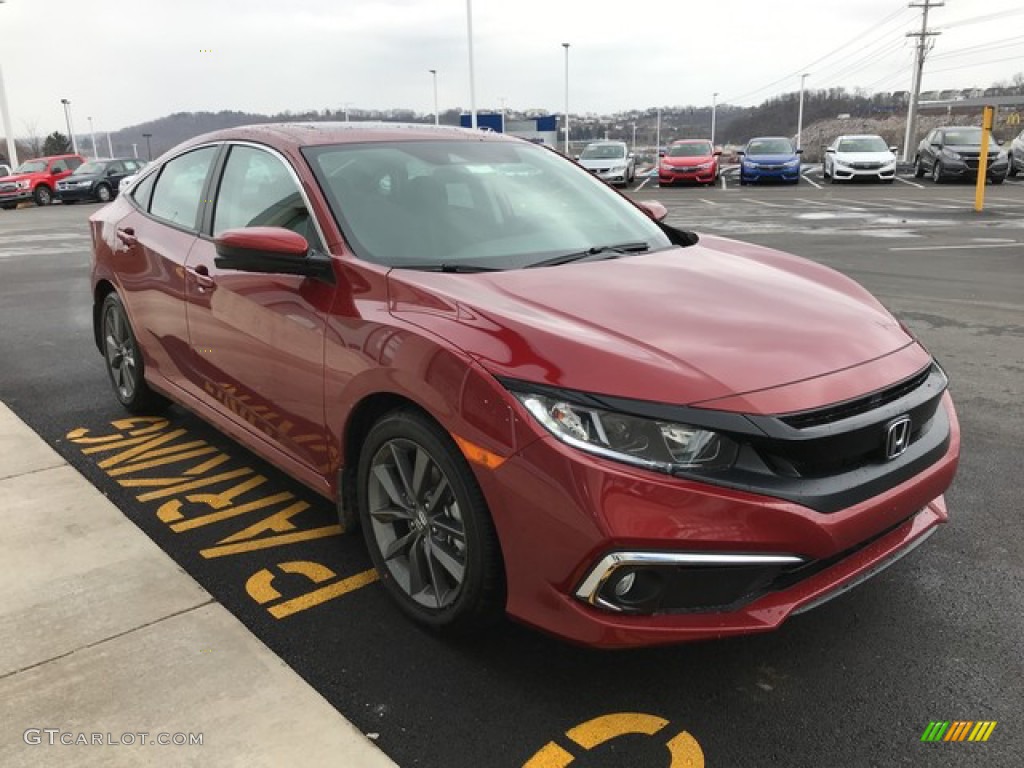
1012,170
918,168
123,359
937,172
42,195
103,193
997,179
444,568
9,206
824,172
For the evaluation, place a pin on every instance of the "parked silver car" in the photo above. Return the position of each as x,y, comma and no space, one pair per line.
610,161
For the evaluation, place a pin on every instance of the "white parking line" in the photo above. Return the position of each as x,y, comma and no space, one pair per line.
722,177
911,183
643,184
709,202
816,184
859,203
813,202
761,202
920,204
972,247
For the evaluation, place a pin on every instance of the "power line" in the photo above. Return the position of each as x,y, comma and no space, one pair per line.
830,54
1008,42
981,19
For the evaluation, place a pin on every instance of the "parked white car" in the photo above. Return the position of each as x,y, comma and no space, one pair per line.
860,157
610,161
127,180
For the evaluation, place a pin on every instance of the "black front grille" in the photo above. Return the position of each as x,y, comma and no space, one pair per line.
841,411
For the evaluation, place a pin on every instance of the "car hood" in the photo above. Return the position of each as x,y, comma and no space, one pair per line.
608,162
695,160
21,177
771,159
865,157
678,326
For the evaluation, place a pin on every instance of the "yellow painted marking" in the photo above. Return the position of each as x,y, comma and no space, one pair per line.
550,756
224,514
172,458
271,541
607,727
79,436
143,446
176,489
685,751
224,498
156,424
988,731
322,595
260,586
978,729
279,522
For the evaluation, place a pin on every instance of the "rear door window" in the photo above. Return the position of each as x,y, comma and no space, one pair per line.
179,189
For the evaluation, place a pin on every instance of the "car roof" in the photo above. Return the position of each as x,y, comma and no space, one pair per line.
295,135
859,136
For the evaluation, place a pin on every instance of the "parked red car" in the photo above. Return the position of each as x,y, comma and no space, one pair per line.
36,180
533,395
693,160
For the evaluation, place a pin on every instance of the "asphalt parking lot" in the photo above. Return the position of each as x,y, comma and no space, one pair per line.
853,683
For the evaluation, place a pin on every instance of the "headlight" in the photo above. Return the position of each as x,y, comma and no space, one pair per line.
749,164
704,166
618,168
950,154
792,163
658,445
22,184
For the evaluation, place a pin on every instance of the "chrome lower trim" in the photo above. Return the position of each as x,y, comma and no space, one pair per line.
590,588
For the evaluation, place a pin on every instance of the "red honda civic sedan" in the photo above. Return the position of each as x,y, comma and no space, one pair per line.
693,160
534,396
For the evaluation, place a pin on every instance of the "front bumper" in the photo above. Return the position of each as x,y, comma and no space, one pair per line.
847,173
769,174
957,169
612,175
560,513
673,175
75,193
18,196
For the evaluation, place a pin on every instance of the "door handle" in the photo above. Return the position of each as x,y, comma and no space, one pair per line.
201,275
127,235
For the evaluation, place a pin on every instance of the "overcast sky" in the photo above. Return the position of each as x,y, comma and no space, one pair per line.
126,61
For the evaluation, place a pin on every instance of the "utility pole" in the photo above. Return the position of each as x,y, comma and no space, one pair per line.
922,49
800,114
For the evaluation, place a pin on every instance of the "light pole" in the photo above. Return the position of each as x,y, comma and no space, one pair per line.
12,148
472,81
344,108
437,117
657,138
800,113
566,46
92,135
135,149
71,130
714,114
634,138
149,149
502,100
110,146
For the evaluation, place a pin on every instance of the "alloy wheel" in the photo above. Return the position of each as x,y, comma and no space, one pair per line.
417,524
120,352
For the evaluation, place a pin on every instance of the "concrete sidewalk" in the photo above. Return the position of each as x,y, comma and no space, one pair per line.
103,638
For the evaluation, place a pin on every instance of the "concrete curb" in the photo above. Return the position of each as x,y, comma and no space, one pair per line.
107,646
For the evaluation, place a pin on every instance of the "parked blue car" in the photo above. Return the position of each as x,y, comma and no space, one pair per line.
770,158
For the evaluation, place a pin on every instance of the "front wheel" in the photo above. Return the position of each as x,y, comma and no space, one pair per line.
42,195
124,359
427,527
1012,170
997,179
918,168
937,172
103,193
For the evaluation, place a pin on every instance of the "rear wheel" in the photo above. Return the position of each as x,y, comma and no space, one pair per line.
124,359
427,526
42,195
103,193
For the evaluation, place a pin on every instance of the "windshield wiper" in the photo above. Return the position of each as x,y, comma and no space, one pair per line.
595,250
452,268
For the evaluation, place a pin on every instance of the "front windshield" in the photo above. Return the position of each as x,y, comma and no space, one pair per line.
770,147
89,169
489,204
603,152
863,144
32,166
697,149
963,136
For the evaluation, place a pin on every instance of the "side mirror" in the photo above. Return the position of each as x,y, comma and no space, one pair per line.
273,250
830,150
799,151
575,157
111,172
999,142
629,156
740,153
894,150
661,153
717,153
652,208
937,145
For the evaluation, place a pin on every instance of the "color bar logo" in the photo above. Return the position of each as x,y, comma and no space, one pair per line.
958,730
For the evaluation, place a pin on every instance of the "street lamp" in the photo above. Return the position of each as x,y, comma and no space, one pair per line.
566,46
472,81
437,117
800,113
149,149
110,145
12,148
714,114
92,135
502,100
71,130
634,138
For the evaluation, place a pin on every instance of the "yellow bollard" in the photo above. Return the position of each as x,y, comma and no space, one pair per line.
988,117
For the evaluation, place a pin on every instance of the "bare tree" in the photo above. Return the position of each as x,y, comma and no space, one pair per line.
33,140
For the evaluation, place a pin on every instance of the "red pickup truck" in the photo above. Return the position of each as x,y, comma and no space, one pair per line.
36,180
